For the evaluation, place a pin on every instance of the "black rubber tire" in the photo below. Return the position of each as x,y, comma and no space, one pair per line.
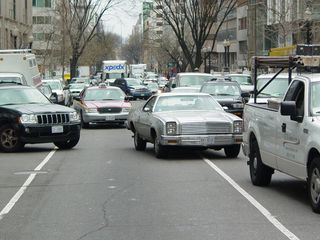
313,184
159,150
260,174
9,139
139,143
83,123
67,144
232,151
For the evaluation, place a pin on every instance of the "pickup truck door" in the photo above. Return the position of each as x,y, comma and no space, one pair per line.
292,134
145,118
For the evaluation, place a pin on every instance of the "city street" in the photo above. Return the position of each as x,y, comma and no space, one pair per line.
104,189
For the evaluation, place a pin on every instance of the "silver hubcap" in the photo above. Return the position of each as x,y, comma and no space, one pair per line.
315,185
8,138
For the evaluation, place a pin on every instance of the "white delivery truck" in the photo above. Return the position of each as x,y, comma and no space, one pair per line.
137,70
113,69
19,66
283,133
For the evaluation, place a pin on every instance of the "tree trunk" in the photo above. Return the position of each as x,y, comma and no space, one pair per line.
73,66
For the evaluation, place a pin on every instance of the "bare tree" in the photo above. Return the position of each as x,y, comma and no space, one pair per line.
192,21
132,50
81,19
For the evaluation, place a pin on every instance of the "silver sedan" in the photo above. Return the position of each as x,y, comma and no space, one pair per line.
194,120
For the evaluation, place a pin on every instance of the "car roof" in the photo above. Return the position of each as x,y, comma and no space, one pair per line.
12,85
6,74
181,94
238,74
106,87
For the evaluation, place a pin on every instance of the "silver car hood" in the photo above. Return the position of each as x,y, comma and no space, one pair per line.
182,117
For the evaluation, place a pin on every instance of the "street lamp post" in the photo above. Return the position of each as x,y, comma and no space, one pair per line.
308,25
226,44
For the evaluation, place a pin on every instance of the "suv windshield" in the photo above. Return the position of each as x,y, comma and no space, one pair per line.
12,96
133,82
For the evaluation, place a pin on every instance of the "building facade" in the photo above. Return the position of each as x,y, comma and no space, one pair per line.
15,24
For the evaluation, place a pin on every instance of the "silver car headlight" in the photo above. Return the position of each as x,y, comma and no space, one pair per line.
237,126
28,118
171,128
91,110
126,110
237,105
74,117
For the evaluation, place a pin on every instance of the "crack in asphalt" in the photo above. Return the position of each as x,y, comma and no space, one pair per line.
104,209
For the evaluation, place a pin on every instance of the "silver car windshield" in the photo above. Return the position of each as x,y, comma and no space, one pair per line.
186,103
21,96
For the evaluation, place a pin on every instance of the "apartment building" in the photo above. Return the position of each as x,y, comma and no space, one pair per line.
15,24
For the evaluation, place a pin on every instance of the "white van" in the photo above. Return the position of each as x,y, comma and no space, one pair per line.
19,62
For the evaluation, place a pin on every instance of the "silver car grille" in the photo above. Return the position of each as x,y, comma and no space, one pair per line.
205,128
57,118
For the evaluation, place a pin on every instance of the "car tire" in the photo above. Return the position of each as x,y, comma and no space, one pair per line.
232,151
83,123
139,143
67,144
159,150
313,184
9,139
260,174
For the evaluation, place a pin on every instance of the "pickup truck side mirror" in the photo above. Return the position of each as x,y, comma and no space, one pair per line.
289,108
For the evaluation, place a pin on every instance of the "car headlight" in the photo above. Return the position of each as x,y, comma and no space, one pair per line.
74,117
237,105
28,118
171,128
91,110
237,127
126,110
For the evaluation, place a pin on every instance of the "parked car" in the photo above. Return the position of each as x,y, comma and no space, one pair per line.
245,81
63,93
228,94
102,104
192,120
27,116
190,79
76,88
133,87
47,91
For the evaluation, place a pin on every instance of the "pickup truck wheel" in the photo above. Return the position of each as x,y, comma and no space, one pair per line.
67,144
9,139
159,150
260,174
83,123
232,151
139,143
314,184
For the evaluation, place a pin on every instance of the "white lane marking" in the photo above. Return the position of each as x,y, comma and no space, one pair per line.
254,202
26,184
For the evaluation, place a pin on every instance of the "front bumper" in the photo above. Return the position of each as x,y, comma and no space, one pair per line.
105,117
201,140
43,134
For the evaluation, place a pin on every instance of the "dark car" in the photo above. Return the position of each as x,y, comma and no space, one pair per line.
227,93
133,87
27,116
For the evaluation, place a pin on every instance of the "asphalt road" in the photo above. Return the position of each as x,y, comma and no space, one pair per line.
104,189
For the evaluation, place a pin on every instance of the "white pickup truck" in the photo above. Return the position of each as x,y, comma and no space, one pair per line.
283,134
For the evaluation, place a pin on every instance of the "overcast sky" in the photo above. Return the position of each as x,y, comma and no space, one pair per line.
123,17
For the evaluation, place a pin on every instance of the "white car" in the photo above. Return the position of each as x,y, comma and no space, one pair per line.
63,93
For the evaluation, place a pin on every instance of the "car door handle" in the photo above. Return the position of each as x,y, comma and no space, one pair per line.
284,127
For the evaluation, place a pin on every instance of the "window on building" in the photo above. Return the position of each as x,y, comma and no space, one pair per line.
243,23
14,10
243,47
41,3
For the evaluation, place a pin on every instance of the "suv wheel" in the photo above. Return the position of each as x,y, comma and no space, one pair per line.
67,144
9,139
232,151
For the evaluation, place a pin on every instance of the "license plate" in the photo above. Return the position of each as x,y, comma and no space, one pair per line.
57,129
110,118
